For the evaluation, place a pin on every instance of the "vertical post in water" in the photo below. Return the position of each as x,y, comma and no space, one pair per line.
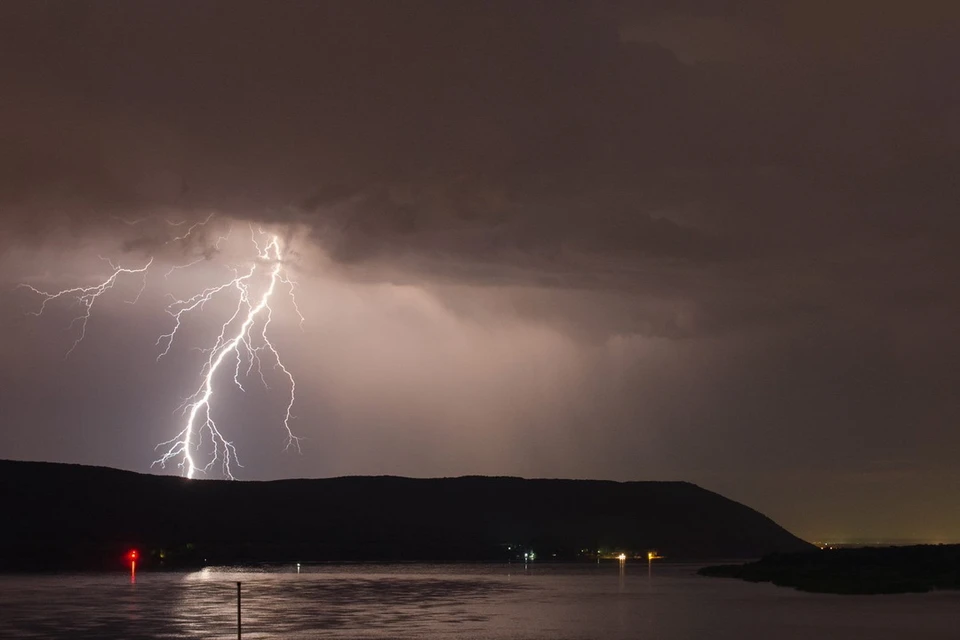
238,611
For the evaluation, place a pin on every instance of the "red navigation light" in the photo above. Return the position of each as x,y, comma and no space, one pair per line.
132,555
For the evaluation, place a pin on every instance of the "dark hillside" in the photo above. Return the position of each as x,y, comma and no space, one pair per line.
912,569
60,516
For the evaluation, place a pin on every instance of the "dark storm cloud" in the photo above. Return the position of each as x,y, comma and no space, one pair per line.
774,182
494,132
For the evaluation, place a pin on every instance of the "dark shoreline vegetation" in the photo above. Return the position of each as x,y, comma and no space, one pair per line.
875,570
71,517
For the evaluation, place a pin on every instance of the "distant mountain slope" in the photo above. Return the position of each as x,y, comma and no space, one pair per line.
59,515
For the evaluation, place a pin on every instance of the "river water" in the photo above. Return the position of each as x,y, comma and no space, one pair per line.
497,602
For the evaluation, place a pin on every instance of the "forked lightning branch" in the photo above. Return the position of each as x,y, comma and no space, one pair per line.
242,347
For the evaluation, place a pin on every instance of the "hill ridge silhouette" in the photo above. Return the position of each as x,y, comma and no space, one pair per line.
75,516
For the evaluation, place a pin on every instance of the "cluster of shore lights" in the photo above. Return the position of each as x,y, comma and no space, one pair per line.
651,555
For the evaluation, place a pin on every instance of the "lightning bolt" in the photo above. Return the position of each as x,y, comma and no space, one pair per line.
86,298
190,230
239,342
243,336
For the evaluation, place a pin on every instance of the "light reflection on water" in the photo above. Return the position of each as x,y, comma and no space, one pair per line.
497,602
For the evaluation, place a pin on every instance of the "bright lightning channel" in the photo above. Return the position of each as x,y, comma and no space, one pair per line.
252,309
242,341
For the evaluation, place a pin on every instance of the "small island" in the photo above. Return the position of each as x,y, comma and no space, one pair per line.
871,570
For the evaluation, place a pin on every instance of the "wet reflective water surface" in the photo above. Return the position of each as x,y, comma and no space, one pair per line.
499,602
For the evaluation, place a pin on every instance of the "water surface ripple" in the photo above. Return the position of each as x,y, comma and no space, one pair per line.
495,602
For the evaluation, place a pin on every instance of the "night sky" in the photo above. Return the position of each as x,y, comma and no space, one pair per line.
713,241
